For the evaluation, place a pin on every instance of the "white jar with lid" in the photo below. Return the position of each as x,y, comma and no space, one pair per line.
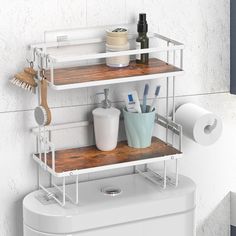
106,125
119,61
116,41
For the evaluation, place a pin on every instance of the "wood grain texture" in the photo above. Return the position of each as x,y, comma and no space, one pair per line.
100,72
89,157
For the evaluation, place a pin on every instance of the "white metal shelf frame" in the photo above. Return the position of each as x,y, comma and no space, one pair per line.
48,61
44,134
45,145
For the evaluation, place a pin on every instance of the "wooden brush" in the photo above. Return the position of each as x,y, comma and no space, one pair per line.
42,113
25,79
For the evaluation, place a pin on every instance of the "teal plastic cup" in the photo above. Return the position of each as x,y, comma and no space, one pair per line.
139,128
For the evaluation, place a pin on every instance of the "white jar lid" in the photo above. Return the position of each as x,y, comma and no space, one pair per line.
111,33
111,112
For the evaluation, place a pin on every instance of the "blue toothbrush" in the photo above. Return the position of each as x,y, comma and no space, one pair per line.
145,93
155,99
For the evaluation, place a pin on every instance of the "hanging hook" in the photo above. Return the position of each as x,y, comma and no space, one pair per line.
47,60
34,55
31,63
42,73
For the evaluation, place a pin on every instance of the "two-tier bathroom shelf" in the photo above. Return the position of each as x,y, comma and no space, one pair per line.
66,71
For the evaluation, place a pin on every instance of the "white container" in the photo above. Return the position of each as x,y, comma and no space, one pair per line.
117,41
106,127
141,209
119,61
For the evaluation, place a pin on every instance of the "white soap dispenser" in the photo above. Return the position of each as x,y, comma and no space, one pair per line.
106,125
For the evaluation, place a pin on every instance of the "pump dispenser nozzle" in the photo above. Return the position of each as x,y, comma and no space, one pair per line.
142,23
106,103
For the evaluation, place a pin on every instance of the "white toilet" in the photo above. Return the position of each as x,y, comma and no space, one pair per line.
134,206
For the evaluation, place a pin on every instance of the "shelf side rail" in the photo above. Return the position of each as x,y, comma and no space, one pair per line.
77,58
171,126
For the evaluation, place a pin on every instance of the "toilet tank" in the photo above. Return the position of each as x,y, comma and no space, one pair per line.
140,209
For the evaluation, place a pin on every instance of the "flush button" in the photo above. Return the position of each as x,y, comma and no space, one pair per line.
111,191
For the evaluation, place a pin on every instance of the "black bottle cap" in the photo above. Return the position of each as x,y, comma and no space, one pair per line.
142,23
142,17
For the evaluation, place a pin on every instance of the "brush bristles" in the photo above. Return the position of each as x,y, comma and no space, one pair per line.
22,84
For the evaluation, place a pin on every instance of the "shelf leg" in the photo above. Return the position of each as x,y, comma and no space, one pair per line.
51,180
181,58
44,147
168,53
173,111
50,136
146,167
39,177
147,177
167,94
50,194
77,190
39,144
180,138
38,181
64,192
167,108
164,177
173,100
38,167
176,172
53,159
51,73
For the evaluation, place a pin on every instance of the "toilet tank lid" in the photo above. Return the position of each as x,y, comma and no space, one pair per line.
139,200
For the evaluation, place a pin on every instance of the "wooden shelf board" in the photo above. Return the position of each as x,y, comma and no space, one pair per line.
101,72
90,157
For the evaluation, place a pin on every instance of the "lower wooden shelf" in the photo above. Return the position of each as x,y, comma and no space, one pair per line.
89,159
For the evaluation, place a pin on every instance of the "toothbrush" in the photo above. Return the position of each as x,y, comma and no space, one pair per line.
155,99
145,93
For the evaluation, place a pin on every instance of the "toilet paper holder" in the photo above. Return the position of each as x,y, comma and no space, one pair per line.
209,128
199,124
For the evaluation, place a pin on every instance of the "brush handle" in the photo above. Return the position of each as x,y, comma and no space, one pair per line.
44,93
144,107
44,102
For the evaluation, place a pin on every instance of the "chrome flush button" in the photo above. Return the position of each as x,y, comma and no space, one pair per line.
111,191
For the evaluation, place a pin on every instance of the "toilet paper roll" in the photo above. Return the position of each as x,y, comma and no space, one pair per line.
198,124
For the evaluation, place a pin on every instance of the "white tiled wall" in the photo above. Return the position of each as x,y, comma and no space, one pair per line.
203,25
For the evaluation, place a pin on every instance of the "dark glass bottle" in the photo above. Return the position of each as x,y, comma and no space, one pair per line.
142,41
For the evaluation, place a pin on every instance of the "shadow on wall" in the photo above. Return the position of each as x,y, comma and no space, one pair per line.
13,217
218,222
19,217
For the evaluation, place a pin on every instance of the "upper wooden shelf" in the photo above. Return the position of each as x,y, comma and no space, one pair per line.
86,76
89,159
